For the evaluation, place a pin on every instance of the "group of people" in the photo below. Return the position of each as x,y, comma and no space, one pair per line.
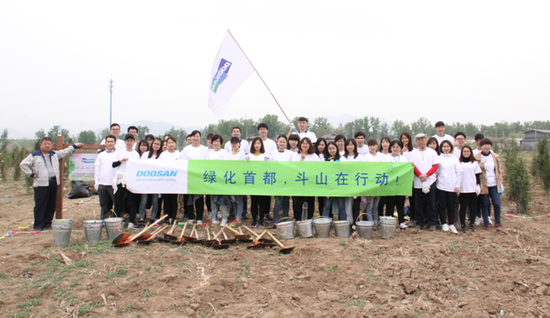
451,180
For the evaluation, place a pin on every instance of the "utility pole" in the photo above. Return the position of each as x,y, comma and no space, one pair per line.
111,102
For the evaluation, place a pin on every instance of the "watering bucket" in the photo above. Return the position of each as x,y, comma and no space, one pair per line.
365,228
114,227
341,228
286,229
92,230
305,228
322,227
61,229
388,225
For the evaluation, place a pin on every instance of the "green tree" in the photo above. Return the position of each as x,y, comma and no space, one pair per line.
518,179
276,127
422,125
142,131
321,127
540,168
4,140
16,160
399,127
470,129
4,161
52,133
375,126
104,133
87,137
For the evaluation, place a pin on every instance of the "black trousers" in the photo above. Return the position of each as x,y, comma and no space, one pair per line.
394,202
355,207
44,205
171,205
198,206
446,205
321,203
297,203
106,199
133,203
260,203
468,201
381,205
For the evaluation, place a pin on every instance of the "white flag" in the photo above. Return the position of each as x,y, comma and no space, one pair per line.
230,69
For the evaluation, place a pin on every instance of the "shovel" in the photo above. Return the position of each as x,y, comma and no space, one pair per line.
124,239
240,236
167,237
227,240
181,238
218,245
259,244
147,239
208,242
257,236
283,250
192,239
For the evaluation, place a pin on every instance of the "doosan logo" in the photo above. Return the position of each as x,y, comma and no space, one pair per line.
157,173
88,160
221,75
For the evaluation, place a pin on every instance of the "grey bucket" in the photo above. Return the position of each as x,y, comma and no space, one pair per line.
61,229
388,225
305,228
341,228
92,230
114,227
365,228
322,227
286,229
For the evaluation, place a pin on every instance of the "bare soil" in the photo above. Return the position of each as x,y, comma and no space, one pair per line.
496,273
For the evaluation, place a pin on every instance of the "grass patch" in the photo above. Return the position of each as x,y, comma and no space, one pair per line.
118,272
85,309
356,303
29,304
331,267
96,248
3,276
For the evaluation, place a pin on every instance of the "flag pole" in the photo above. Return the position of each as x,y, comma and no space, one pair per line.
255,70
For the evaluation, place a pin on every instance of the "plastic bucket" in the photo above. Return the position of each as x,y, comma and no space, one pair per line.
365,228
286,229
305,228
388,225
322,227
92,230
114,227
61,229
341,228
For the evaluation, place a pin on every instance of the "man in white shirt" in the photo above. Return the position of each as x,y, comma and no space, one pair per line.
424,190
120,161
269,145
460,138
440,136
303,132
104,175
134,131
244,147
361,147
115,131
477,140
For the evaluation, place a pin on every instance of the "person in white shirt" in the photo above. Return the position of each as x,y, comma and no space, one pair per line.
115,131
352,203
440,136
469,188
371,203
293,141
407,142
491,182
361,147
104,175
477,140
218,202
425,167
333,154
460,141
134,131
261,203
170,200
340,141
269,145
195,151
306,152
383,151
449,178
236,132
397,201
320,150
281,154
238,200
154,153
433,144
120,162
303,132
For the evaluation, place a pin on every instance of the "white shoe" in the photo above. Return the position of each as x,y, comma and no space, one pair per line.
131,226
190,222
445,227
490,222
224,222
199,222
219,215
478,221
403,225
453,229
215,222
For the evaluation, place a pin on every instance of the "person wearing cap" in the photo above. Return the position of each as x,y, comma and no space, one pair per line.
43,166
120,162
236,132
424,192
440,136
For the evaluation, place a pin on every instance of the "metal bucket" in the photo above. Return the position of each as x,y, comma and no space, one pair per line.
365,228
388,225
61,229
341,228
92,230
114,227
305,228
322,227
286,229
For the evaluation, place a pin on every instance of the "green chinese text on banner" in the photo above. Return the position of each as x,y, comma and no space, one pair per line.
329,179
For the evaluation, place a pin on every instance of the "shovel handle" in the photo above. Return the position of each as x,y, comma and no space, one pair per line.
162,228
183,231
174,223
193,230
207,233
148,227
224,235
249,230
216,237
232,230
156,233
276,240
260,236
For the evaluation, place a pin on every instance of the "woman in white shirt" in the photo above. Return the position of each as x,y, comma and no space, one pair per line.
334,155
397,201
152,154
281,154
293,141
218,202
320,150
469,187
170,200
407,150
340,141
383,151
260,203
352,203
372,203
195,151
238,202
306,152
449,178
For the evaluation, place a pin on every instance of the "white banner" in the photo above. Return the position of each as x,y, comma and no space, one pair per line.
230,69
157,176
81,166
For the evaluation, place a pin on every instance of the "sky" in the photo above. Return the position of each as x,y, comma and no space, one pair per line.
459,61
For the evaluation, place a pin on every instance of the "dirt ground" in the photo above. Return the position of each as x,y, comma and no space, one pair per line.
496,273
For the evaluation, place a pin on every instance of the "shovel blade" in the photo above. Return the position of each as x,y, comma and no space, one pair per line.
286,250
220,246
121,238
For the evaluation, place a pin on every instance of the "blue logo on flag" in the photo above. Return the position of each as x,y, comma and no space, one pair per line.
221,75
88,160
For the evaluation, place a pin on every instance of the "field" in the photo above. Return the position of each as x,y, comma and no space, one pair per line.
496,273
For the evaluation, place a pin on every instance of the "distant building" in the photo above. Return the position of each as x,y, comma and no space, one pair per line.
532,137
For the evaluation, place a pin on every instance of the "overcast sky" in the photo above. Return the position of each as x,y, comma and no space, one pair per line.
480,61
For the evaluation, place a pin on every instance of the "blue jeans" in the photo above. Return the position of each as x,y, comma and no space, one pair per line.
372,209
154,207
425,206
494,195
221,202
238,204
285,203
342,216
